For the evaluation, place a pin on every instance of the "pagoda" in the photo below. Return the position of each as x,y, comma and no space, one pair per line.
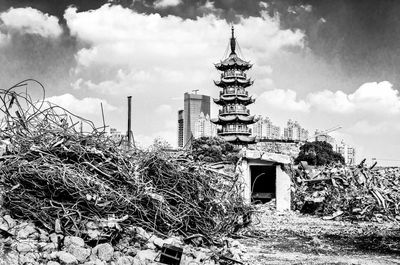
234,117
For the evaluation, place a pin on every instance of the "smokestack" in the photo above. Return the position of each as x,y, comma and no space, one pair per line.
129,120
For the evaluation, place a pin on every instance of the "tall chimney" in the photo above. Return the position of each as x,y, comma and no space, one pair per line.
129,120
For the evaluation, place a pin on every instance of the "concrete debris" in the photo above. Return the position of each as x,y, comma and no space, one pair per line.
344,192
103,251
133,250
146,255
26,232
26,246
8,221
67,258
80,253
53,263
73,241
125,260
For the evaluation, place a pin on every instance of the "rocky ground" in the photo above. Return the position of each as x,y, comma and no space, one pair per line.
273,238
292,238
24,243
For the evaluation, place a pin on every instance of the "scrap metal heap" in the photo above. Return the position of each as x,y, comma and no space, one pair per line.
52,173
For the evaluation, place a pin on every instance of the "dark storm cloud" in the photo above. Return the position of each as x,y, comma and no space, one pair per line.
32,56
228,9
362,36
52,7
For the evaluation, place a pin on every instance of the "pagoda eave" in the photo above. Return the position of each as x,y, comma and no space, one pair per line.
233,61
239,139
246,100
222,67
225,83
221,120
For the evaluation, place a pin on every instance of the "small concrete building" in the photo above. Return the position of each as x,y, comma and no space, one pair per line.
263,178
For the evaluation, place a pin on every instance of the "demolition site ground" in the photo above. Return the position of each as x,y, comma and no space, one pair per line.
70,197
293,238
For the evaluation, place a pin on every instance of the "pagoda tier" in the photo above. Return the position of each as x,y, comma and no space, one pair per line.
224,82
233,61
235,99
229,119
234,117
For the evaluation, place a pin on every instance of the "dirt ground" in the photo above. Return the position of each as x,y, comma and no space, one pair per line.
293,238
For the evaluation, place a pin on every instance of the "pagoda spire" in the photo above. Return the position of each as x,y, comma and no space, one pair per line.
233,41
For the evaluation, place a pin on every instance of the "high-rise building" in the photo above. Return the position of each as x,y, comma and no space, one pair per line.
265,129
234,117
348,152
294,131
276,132
180,128
204,127
116,135
194,104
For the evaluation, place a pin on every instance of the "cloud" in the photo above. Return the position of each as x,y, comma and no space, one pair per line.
379,96
263,5
283,99
119,35
84,106
371,109
374,97
331,101
166,3
307,8
31,21
4,38
133,81
121,83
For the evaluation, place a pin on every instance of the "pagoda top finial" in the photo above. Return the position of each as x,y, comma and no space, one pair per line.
233,41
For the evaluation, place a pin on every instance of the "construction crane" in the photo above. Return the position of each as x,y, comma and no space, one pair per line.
325,132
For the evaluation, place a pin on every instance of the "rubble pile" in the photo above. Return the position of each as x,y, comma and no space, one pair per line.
22,242
83,184
356,192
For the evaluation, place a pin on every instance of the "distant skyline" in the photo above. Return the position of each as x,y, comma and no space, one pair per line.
323,63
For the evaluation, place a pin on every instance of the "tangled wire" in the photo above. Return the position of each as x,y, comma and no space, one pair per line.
53,172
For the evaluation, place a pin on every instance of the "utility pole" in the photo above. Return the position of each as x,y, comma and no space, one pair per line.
102,115
131,141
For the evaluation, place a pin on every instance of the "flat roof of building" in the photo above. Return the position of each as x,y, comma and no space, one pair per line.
266,156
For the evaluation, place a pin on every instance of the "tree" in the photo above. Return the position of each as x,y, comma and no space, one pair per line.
318,153
159,144
214,149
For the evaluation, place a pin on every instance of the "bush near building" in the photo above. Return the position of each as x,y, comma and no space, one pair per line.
318,153
214,149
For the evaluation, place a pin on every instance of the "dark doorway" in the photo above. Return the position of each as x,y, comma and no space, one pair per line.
263,180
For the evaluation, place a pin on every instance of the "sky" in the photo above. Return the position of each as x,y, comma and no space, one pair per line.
323,63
